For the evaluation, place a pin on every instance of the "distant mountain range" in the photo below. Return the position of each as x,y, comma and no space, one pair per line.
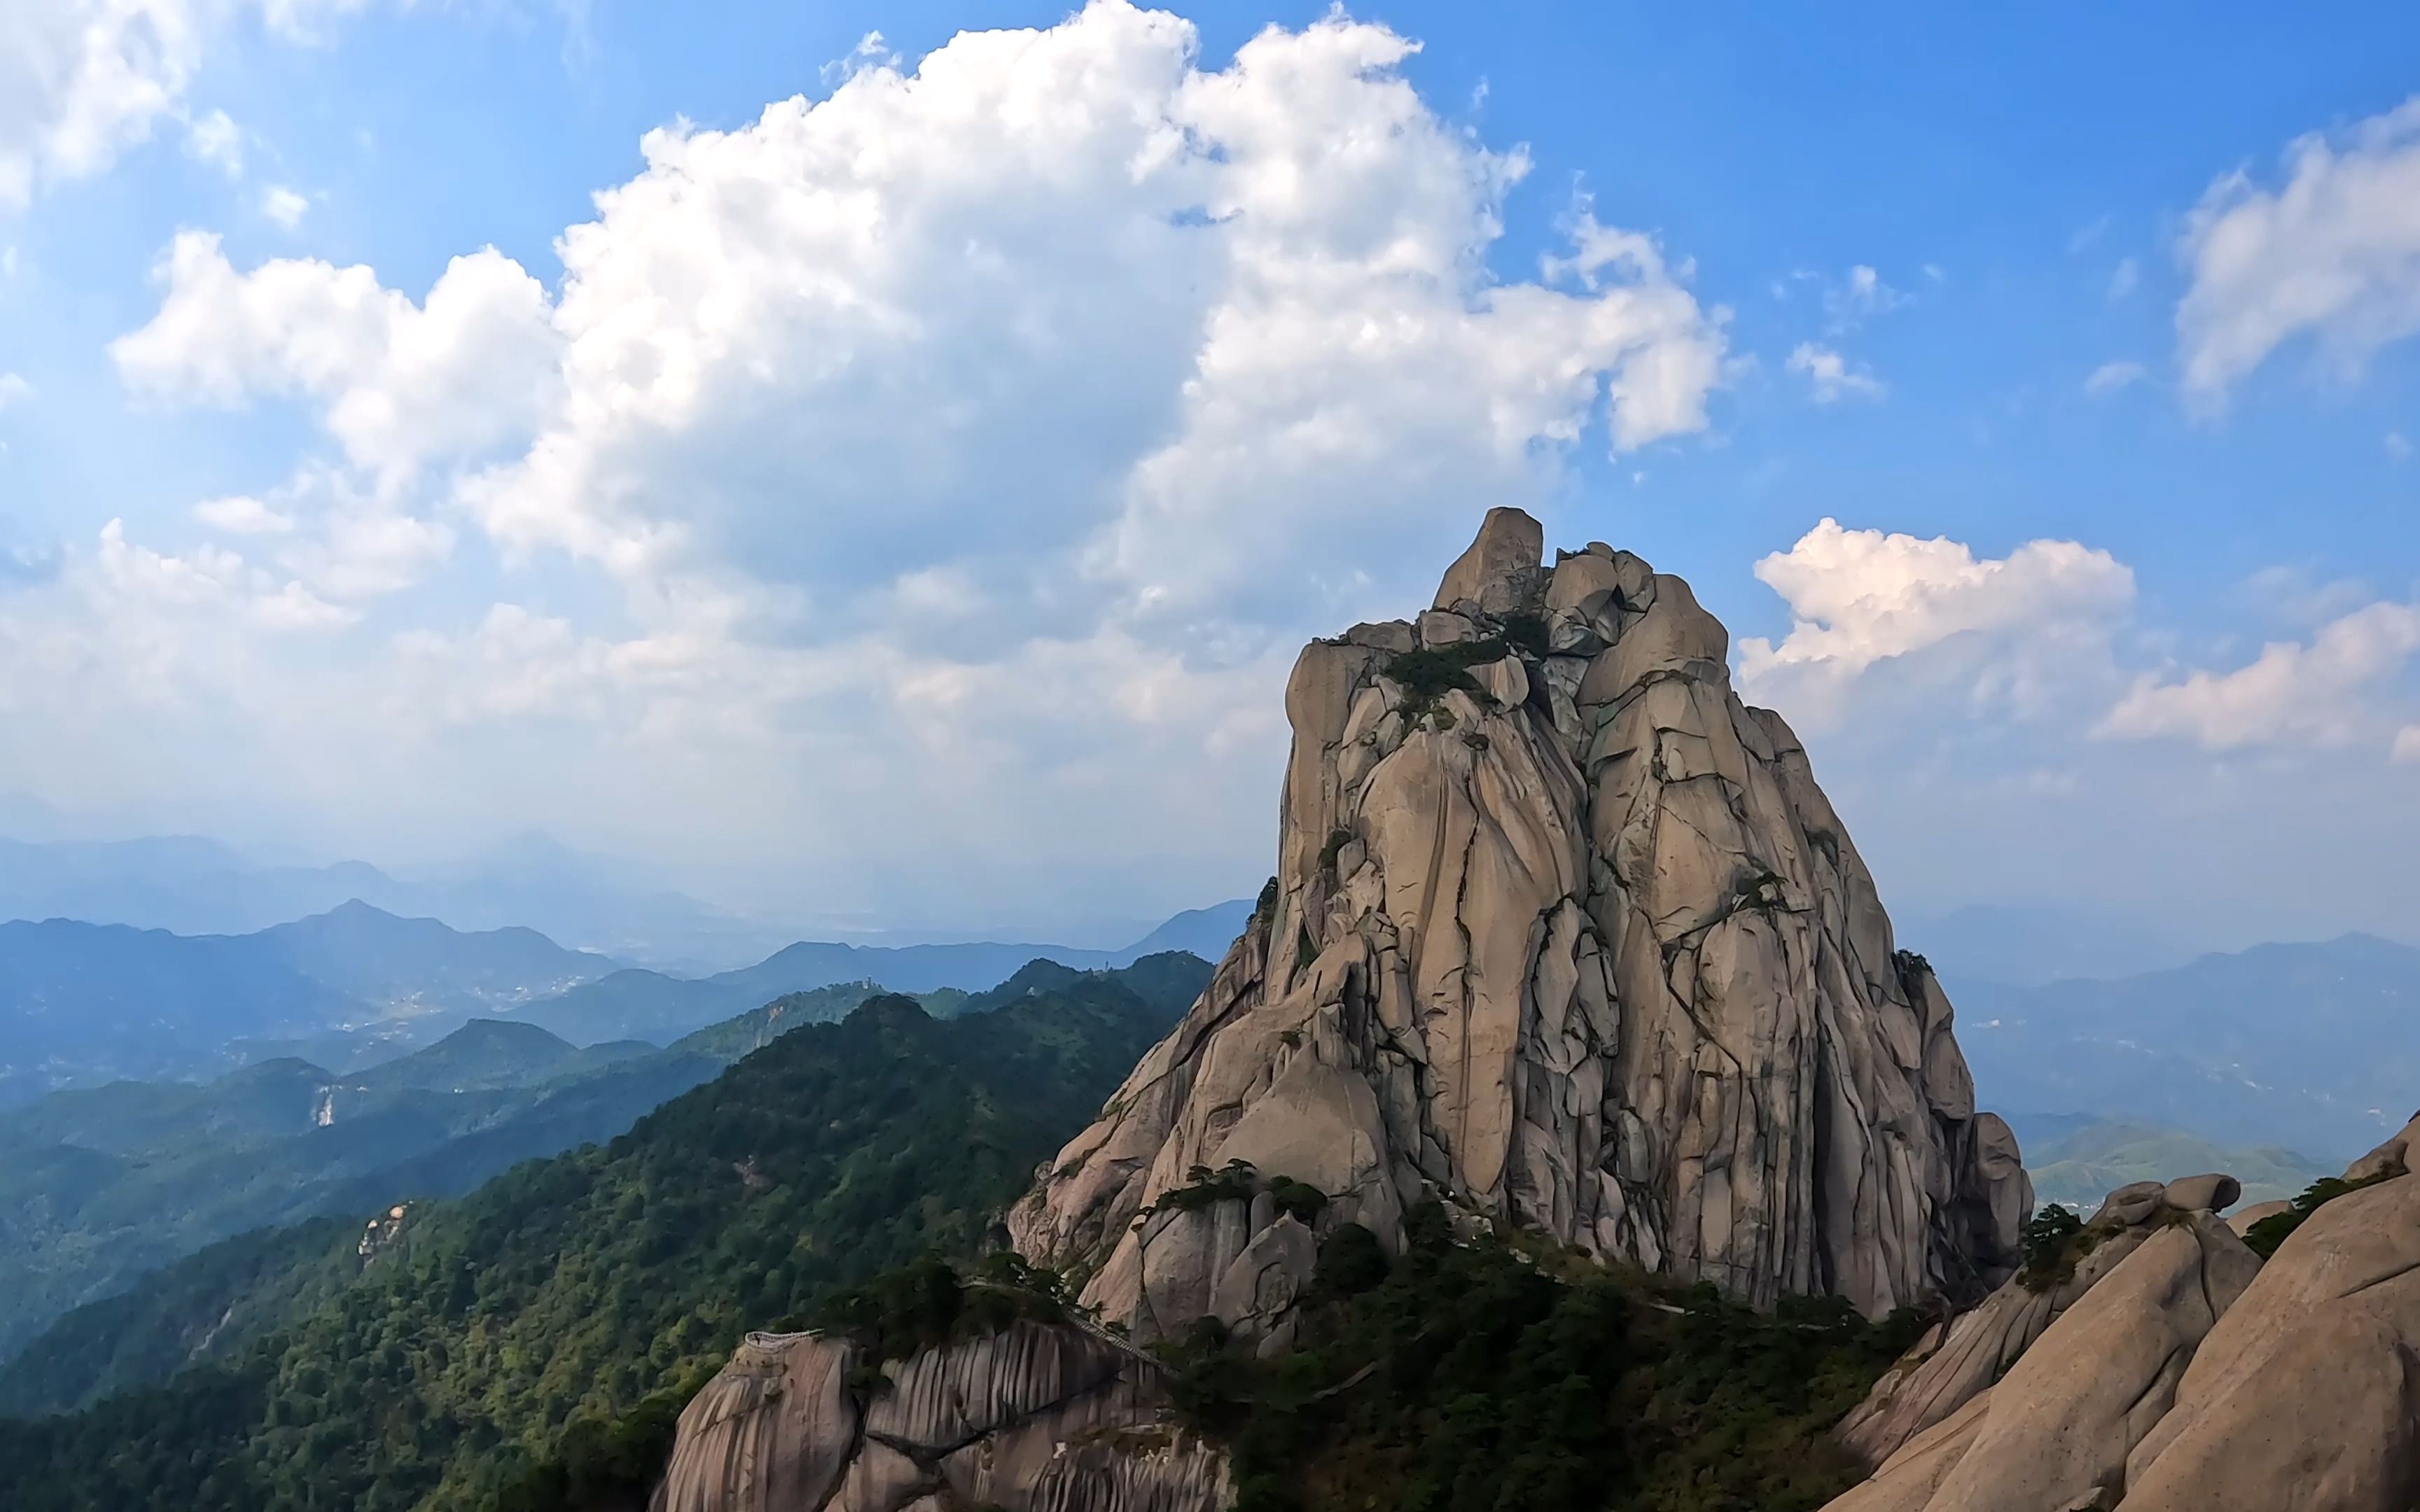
190,885
80,1002
187,884
83,1003
2077,1159
649,1004
2028,945
100,1185
2314,1047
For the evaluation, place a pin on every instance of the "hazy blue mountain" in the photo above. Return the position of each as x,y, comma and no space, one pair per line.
647,1005
746,1033
92,999
395,963
587,901
81,1003
2084,1163
1167,982
2314,1047
99,1185
637,1004
190,885
1202,932
267,1101
492,1053
180,883
2028,945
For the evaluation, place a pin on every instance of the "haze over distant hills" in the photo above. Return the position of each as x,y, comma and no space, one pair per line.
193,886
99,1185
83,1003
2027,944
188,885
2314,1047
87,1002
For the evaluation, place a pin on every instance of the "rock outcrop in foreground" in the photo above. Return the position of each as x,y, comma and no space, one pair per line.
1036,1418
1564,933
2186,1376
1958,1360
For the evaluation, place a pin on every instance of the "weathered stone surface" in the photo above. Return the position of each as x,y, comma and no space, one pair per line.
1385,635
2188,1194
1942,1375
1499,570
1261,1284
2241,1219
2055,1432
2392,1158
1589,953
2303,1395
1036,1418
774,1429
2307,1394
2132,1202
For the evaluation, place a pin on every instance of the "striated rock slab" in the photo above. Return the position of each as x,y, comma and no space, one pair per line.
1564,933
2306,1397
1956,1363
2055,1432
1034,1419
2292,1386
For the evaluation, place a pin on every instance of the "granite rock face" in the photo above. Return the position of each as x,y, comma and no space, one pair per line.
1565,935
1036,1418
1956,1362
2055,1432
2188,1376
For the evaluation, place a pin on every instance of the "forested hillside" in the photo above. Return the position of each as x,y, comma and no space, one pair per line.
454,1354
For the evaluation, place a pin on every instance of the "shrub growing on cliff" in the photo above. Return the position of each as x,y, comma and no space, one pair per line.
2051,1240
1461,1379
2265,1236
1430,672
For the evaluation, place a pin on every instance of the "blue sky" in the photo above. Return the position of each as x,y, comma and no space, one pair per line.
890,521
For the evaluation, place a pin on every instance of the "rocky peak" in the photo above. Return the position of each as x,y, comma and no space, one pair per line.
1564,935
1499,571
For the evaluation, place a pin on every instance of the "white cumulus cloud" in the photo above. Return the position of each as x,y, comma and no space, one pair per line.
2111,376
241,514
215,138
2317,693
468,367
81,81
2332,255
2000,628
1830,376
1001,421
284,206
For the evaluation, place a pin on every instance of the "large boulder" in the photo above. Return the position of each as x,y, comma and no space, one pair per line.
1570,938
1499,571
1034,1419
2306,1397
2057,1431
1957,1361
2187,1378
